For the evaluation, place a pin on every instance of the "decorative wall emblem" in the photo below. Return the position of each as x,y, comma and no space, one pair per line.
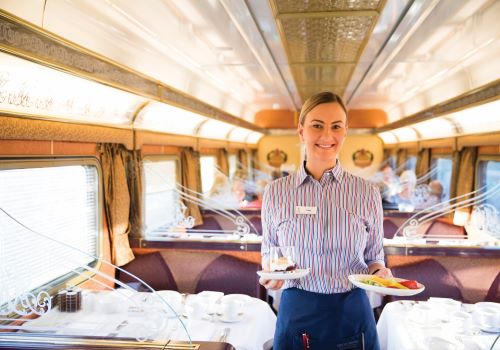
276,157
362,158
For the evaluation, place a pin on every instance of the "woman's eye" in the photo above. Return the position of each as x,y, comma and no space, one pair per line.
317,126
336,127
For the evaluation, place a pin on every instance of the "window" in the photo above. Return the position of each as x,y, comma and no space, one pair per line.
489,176
50,222
161,197
443,166
233,164
208,166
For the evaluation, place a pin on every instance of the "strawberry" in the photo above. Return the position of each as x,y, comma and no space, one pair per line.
411,284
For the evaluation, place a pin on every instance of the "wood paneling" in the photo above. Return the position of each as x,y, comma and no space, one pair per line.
276,119
366,118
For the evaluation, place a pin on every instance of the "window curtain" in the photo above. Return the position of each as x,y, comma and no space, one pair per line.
255,159
222,161
242,162
115,159
454,173
423,162
191,178
466,173
401,160
387,154
135,183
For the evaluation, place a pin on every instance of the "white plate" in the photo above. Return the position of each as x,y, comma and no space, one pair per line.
286,275
356,280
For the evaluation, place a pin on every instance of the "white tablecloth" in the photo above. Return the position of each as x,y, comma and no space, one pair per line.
253,331
409,325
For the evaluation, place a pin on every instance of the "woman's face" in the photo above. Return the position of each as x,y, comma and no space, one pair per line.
323,132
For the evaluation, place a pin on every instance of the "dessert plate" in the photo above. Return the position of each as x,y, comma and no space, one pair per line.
356,280
283,275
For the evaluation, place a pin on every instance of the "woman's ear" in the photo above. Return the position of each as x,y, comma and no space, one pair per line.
300,131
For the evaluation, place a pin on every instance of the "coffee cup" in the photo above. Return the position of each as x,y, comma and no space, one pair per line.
173,299
231,309
490,317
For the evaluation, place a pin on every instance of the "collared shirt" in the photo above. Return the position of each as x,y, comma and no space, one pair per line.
341,238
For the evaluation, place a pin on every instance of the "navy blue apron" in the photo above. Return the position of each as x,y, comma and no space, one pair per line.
315,321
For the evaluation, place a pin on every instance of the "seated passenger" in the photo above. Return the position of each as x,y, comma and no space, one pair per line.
388,183
258,192
407,184
220,196
427,196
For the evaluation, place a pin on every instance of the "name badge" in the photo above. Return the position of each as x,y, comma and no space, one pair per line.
305,210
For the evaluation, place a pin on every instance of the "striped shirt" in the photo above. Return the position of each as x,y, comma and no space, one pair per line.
342,238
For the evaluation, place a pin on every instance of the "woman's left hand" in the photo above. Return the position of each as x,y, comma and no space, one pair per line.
384,272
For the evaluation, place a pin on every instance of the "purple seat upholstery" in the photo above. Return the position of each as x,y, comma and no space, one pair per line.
257,223
443,228
231,275
437,280
209,223
390,228
494,291
152,269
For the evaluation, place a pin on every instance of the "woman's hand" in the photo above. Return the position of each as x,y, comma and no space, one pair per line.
271,284
384,272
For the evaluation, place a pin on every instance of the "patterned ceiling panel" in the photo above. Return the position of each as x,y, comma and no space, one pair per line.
324,39
287,6
331,74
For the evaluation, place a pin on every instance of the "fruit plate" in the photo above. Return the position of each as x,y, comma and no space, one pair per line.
356,280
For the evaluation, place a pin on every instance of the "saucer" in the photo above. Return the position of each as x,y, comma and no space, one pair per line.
239,318
489,329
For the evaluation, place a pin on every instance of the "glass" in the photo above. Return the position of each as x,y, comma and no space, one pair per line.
282,258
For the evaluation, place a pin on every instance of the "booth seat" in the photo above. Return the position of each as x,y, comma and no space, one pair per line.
193,272
436,278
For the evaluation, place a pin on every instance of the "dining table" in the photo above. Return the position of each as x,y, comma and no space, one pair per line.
439,324
111,315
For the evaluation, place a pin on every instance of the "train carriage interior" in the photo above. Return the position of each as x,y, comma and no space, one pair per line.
137,139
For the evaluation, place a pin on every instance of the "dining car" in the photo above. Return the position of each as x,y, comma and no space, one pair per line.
139,139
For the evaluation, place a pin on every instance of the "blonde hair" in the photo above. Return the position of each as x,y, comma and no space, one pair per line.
318,99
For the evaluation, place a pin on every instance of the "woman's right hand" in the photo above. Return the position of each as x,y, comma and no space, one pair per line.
271,284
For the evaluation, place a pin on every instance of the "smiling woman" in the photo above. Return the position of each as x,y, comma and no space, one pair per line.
340,234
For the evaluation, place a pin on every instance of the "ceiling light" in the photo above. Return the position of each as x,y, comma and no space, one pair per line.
406,134
388,137
162,117
32,89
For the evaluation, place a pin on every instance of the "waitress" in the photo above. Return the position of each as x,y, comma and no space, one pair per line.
333,220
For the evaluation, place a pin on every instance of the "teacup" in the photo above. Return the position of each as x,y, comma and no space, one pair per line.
425,314
489,317
231,309
194,310
174,300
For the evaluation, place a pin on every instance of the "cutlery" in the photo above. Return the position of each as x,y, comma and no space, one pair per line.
225,333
